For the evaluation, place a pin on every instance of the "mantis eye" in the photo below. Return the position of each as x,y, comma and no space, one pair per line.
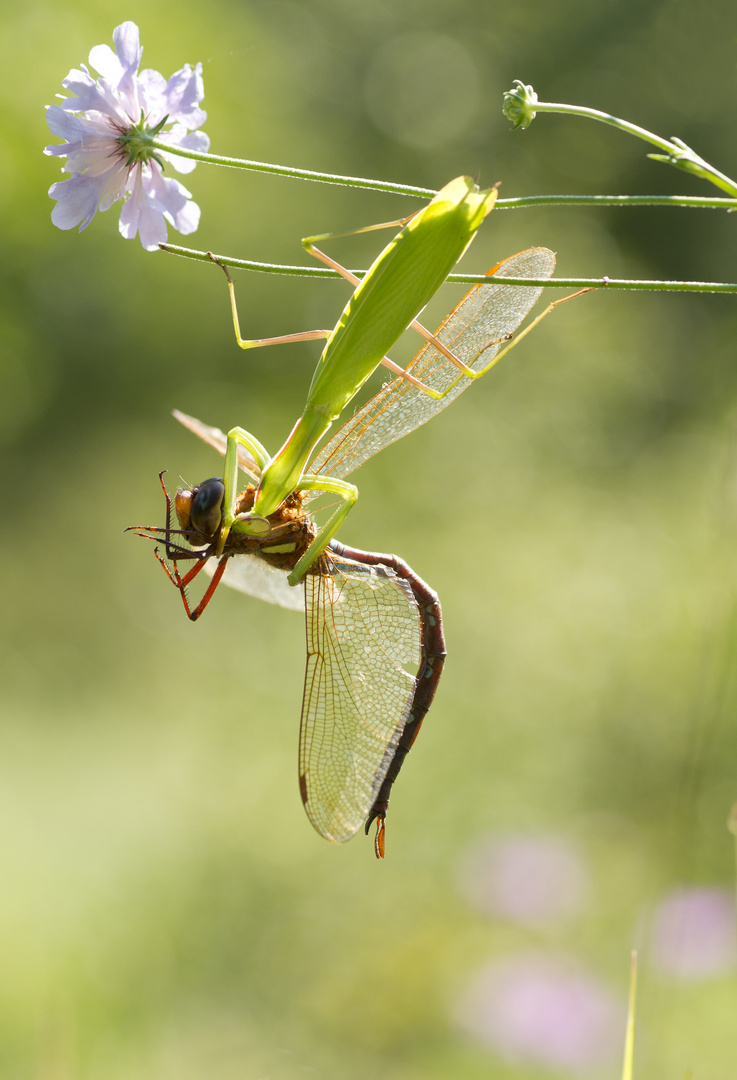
207,502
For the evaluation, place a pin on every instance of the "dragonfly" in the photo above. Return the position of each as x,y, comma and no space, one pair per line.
375,647
370,619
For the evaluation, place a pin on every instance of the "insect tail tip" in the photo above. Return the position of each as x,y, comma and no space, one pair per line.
379,840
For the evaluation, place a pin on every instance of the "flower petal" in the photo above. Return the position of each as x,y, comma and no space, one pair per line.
127,47
90,96
128,53
78,200
174,200
193,140
142,213
64,125
152,94
123,63
184,92
103,60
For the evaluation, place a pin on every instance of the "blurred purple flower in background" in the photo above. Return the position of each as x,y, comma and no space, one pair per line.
693,933
537,1010
528,879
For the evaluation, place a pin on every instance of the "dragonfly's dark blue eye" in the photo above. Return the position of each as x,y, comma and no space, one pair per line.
207,502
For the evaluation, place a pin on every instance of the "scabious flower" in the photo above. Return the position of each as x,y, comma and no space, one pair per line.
694,933
537,1010
108,125
531,879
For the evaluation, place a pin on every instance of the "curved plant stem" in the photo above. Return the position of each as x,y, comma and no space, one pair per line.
297,174
521,106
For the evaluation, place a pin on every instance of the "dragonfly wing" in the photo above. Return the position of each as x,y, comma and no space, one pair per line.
251,575
215,437
363,633
488,313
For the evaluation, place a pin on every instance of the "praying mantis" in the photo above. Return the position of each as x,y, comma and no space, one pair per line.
349,762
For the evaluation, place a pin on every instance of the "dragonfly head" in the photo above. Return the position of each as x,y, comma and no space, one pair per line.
199,509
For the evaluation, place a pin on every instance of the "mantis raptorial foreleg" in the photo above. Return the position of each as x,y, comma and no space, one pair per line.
348,494
251,523
255,525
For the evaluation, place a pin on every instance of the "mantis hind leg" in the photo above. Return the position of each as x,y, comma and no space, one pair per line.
257,343
466,372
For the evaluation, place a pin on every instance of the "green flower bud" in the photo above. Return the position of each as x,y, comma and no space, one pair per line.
519,104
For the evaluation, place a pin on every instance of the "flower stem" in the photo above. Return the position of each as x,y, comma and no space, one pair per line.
521,105
424,193
297,174
693,201
605,118
468,279
675,150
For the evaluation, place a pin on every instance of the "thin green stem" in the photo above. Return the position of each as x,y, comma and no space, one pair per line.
297,174
467,279
692,201
521,105
619,284
675,150
257,267
605,118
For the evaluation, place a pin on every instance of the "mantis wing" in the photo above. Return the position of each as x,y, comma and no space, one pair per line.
487,314
363,632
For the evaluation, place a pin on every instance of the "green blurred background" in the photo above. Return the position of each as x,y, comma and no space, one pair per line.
165,909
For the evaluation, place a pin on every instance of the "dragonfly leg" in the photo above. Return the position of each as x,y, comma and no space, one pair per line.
256,343
182,582
348,494
151,532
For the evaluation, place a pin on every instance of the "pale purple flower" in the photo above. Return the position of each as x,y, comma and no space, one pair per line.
694,933
529,879
107,125
543,1011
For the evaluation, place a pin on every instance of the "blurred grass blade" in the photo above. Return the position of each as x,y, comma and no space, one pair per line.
629,1042
732,826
